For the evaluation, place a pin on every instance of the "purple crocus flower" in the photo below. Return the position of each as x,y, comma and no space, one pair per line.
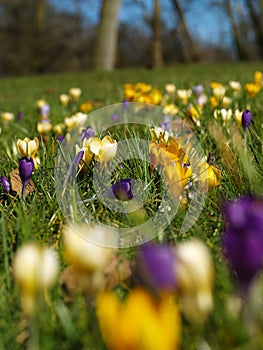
20,116
26,168
125,104
243,238
44,110
115,117
5,184
246,119
60,138
87,133
121,190
198,89
155,267
166,123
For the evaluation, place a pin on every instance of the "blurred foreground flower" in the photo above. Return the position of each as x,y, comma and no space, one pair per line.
156,267
140,322
243,239
35,270
195,279
88,261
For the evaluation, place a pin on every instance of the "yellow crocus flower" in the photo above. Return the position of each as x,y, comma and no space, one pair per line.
27,147
258,77
209,176
75,93
125,326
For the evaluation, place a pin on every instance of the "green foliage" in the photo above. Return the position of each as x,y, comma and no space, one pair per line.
70,322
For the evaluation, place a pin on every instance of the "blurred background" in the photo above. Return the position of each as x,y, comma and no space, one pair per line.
41,36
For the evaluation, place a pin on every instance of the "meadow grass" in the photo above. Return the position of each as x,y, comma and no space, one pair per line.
70,321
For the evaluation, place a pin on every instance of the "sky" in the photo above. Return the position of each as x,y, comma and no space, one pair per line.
205,21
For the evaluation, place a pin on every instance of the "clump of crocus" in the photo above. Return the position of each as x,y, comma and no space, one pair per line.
243,239
26,168
140,322
75,120
195,279
35,271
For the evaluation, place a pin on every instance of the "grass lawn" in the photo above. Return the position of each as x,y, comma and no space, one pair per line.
67,319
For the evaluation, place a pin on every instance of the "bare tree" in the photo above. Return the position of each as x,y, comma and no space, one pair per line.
257,22
157,33
240,49
37,55
192,54
106,42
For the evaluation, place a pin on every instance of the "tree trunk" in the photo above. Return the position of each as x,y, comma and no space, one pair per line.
37,61
241,52
157,36
257,22
106,41
193,54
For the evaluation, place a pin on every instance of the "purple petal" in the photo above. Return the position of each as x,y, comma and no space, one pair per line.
78,157
5,184
246,119
121,190
87,133
26,168
155,266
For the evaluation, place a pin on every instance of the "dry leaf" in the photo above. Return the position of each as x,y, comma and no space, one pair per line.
17,185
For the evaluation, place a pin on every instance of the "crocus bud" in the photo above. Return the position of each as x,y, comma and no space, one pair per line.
5,184
74,93
121,190
155,267
26,168
246,119
78,157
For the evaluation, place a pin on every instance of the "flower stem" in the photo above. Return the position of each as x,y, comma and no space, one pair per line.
245,140
24,192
